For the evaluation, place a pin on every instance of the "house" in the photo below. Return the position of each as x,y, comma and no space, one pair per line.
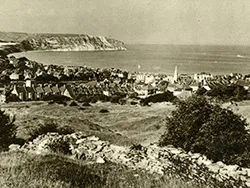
67,91
171,87
14,76
47,90
30,93
149,79
39,92
243,83
202,76
194,86
2,95
140,78
144,91
55,90
2,98
19,91
177,91
106,93
207,87
184,94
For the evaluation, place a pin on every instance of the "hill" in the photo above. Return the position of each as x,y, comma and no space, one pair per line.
11,42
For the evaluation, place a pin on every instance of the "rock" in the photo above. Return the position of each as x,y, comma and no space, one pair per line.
92,138
100,160
14,147
220,164
231,167
152,159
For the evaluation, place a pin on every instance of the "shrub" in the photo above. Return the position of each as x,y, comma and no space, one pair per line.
232,92
65,130
73,103
104,111
43,129
86,104
49,126
200,127
115,99
60,146
201,91
56,98
162,97
12,98
7,130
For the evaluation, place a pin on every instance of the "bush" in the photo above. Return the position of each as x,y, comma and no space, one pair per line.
73,103
49,126
162,97
12,98
201,91
225,93
104,111
200,127
56,98
86,104
7,131
60,146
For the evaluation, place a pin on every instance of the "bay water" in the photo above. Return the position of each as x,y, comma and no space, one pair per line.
155,58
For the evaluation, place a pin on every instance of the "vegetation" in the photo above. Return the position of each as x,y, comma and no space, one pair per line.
7,131
118,98
60,146
49,126
162,97
18,170
201,127
60,99
232,92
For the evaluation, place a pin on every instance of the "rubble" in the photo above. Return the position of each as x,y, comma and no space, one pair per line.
154,159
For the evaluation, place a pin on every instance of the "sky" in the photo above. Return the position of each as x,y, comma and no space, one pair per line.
220,22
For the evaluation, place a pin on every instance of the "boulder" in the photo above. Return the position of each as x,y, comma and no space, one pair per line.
100,160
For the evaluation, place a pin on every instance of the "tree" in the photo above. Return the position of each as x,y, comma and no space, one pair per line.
186,120
7,131
201,91
200,127
222,136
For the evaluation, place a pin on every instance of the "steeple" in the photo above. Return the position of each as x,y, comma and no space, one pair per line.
175,74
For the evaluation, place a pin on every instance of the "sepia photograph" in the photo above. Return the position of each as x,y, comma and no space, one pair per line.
124,94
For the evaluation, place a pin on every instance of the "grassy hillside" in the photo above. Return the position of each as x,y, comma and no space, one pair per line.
18,170
124,124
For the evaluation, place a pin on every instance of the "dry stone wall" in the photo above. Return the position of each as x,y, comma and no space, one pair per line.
154,159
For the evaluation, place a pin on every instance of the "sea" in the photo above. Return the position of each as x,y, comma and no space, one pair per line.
219,60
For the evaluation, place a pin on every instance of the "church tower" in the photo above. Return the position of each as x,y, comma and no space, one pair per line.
175,74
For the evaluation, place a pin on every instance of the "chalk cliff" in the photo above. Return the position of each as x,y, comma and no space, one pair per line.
11,42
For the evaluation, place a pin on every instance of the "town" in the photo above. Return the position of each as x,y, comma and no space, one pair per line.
28,80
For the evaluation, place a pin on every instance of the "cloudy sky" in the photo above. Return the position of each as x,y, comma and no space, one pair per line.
134,21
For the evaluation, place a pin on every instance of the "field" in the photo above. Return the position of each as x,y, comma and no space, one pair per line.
123,124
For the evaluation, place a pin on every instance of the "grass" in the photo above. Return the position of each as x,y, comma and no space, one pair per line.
123,125
18,170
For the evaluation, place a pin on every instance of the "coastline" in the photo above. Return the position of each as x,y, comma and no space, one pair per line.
9,44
